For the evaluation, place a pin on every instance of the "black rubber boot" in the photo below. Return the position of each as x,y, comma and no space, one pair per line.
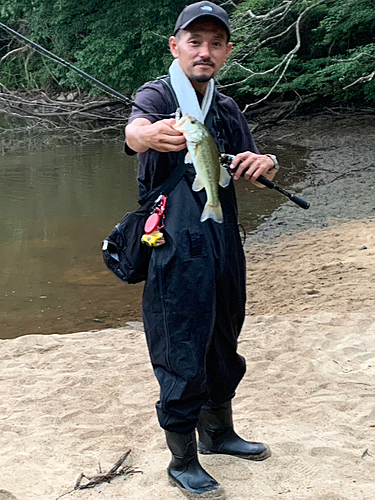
216,435
185,471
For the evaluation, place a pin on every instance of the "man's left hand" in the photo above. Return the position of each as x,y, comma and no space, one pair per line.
253,165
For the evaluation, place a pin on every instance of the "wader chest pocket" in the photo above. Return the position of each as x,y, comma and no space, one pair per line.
193,243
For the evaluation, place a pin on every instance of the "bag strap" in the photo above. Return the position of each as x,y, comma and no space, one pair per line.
170,183
218,126
166,79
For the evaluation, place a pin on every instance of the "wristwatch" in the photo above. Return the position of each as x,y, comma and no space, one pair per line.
274,159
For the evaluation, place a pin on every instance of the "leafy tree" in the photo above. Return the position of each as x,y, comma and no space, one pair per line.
302,47
284,49
122,43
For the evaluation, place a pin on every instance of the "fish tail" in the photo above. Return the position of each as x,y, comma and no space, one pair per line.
212,212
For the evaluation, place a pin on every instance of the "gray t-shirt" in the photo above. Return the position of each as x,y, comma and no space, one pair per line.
155,167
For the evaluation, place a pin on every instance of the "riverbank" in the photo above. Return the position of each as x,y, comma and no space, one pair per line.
320,258
70,402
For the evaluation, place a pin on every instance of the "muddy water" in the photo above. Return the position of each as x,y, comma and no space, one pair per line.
56,206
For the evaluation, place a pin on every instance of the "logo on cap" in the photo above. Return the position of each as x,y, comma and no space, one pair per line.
207,8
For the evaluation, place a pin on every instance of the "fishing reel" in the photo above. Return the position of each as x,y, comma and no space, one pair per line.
225,161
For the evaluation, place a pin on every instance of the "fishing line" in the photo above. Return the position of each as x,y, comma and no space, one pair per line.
98,83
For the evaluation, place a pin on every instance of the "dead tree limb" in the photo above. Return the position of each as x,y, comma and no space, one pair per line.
283,8
117,470
282,65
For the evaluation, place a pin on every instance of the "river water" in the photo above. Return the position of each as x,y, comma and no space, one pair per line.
56,206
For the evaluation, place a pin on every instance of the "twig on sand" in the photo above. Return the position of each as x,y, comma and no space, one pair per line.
92,481
366,453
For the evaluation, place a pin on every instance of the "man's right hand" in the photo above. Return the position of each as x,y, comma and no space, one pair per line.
142,135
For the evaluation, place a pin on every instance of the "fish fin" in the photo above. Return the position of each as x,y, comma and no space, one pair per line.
212,212
188,158
197,184
224,177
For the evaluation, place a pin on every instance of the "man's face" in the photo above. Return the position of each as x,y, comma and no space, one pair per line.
201,49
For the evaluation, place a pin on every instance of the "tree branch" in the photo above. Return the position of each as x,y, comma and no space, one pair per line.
367,78
354,58
278,11
285,62
19,49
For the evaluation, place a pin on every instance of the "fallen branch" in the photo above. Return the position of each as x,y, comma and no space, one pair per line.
349,173
269,114
115,471
70,115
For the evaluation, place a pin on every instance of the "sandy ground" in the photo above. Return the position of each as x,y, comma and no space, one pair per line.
69,403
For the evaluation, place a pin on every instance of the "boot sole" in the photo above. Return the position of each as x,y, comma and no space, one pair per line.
256,458
218,494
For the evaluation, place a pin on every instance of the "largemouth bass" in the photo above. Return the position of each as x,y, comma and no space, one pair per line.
204,155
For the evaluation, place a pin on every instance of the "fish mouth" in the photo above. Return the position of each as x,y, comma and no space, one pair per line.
179,125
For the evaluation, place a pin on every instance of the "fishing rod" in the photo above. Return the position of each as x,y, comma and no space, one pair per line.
227,159
52,56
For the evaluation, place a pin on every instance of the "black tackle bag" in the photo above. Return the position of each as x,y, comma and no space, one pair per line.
123,252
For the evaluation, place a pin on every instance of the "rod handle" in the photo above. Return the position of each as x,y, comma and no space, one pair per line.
271,185
295,199
300,202
266,182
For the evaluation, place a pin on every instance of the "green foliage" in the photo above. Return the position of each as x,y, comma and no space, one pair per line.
346,25
122,43
133,44
125,43
337,49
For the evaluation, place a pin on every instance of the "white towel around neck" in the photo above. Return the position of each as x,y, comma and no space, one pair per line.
186,96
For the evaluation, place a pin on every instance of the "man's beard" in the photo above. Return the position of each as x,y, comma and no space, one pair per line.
200,78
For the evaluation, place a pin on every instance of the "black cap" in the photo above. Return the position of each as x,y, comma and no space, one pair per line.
202,9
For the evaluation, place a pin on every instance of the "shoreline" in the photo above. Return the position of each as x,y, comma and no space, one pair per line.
70,401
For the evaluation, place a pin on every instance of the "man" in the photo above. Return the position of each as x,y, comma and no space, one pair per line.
194,296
